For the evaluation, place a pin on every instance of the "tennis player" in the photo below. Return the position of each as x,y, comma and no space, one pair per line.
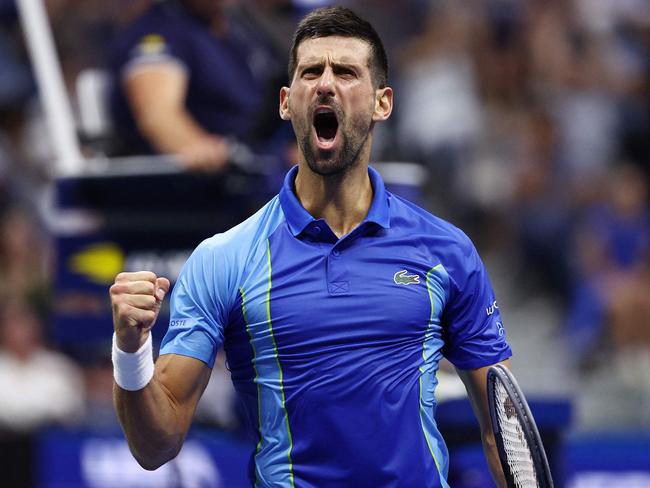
334,302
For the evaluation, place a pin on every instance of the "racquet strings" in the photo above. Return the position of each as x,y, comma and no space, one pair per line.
516,446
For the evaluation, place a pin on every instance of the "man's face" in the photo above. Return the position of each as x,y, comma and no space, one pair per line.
332,103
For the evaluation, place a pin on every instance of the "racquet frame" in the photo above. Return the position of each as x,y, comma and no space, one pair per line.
500,373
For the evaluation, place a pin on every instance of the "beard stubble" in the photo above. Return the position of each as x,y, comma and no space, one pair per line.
353,133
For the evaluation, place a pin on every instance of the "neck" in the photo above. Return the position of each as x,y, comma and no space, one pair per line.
342,200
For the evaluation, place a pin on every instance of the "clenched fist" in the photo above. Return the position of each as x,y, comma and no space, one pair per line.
136,298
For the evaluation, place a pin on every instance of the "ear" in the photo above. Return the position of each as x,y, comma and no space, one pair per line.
383,104
285,113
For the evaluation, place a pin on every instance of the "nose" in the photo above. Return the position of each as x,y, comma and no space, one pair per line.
325,85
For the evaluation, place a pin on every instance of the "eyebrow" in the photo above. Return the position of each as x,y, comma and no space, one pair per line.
316,63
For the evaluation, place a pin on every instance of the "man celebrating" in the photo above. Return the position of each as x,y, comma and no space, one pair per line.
334,302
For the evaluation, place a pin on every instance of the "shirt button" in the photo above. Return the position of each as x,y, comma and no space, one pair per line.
317,229
336,253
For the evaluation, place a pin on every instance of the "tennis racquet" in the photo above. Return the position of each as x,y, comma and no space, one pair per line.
520,447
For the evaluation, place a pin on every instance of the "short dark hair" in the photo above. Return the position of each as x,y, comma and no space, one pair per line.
341,21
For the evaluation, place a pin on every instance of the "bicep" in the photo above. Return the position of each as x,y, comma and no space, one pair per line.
155,88
183,379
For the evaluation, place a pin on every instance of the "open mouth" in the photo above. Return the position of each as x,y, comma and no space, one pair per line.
326,124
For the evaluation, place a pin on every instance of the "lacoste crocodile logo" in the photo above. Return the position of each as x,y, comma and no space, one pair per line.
403,278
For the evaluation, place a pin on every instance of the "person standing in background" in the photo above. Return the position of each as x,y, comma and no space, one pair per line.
187,76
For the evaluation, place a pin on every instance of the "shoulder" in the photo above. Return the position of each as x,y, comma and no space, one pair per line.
444,242
410,217
219,264
258,227
238,243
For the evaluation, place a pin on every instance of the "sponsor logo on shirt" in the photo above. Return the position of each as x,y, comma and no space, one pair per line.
403,278
492,308
500,328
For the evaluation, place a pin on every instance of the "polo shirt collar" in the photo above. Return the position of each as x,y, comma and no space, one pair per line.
298,218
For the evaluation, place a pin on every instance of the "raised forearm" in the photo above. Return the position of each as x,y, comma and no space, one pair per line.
156,411
151,423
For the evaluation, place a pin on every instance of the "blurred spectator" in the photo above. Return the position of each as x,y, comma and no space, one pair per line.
629,328
542,206
611,258
17,88
438,114
16,83
499,45
188,75
24,257
39,387
608,323
573,78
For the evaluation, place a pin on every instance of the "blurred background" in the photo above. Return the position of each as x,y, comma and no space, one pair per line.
132,129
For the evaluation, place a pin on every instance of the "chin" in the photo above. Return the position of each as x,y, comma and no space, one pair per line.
338,161
329,167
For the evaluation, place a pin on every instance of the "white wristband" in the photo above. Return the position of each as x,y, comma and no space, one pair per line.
133,370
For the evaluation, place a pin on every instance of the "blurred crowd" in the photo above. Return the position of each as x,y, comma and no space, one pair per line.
530,117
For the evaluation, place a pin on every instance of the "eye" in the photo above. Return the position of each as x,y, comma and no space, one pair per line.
347,73
311,72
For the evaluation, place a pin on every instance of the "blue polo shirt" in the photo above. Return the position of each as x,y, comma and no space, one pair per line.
333,344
